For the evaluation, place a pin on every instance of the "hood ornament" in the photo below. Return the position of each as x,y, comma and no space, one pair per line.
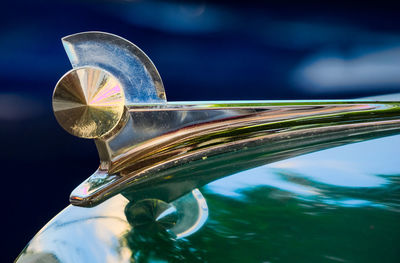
151,148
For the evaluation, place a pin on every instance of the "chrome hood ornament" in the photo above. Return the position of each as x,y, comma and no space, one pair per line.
154,154
151,148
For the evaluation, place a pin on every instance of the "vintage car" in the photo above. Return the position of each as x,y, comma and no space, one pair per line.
219,181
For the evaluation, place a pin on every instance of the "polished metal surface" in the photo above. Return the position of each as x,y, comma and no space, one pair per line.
120,57
143,203
185,135
88,102
103,233
142,135
336,205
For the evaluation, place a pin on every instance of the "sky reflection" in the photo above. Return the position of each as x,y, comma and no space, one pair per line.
330,176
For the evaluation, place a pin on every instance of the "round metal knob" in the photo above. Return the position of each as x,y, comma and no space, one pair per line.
88,102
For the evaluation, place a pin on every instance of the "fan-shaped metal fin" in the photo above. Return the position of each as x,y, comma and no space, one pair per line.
124,60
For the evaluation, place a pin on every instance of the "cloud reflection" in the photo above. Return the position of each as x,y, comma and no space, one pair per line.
346,176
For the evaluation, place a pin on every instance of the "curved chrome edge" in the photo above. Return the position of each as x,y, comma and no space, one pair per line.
110,225
158,143
123,59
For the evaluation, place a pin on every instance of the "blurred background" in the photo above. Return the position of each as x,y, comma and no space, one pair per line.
204,50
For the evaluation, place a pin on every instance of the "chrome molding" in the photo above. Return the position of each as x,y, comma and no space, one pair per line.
145,141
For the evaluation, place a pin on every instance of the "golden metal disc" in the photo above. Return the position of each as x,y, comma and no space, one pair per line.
88,102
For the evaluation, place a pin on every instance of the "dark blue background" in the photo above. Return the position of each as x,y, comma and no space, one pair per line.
203,51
